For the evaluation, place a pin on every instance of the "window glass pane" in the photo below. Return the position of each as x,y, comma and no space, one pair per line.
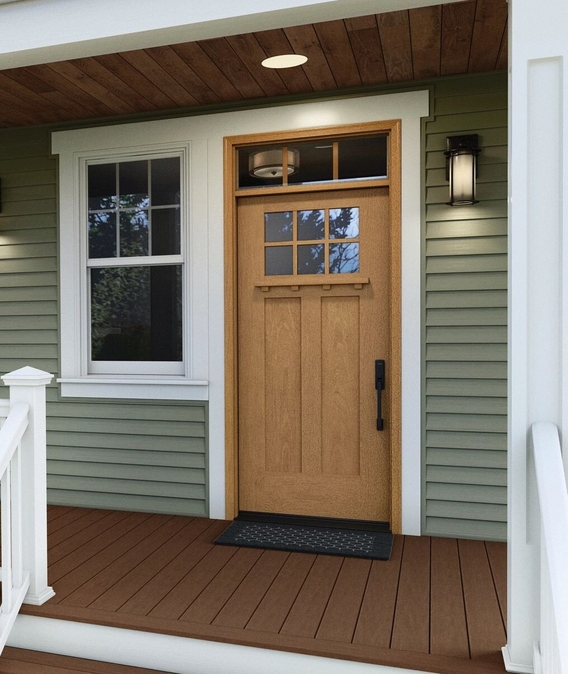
165,181
311,259
316,162
102,235
363,158
343,258
343,223
278,260
102,186
133,233
136,313
311,225
165,231
133,184
278,226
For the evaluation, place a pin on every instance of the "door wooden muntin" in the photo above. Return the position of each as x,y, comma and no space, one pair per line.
342,468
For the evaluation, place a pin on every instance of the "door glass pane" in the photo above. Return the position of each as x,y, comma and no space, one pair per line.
311,225
165,181
133,233
311,259
133,184
343,223
278,261
165,231
343,258
278,226
102,186
136,313
102,235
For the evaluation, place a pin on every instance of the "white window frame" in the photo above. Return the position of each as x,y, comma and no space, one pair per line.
79,376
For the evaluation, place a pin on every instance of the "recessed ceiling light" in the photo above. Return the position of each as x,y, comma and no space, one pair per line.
284,61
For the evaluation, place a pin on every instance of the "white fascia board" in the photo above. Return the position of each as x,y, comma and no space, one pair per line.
44,31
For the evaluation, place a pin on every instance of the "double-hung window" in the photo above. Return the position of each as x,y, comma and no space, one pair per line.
135,266
133,262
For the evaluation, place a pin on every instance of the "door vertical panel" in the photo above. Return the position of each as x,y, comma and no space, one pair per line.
283,399
340,385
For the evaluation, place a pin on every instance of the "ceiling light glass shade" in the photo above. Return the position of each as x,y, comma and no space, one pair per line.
268,163
284,61
461,169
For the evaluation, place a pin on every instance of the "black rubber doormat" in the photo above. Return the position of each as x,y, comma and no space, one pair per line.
318,540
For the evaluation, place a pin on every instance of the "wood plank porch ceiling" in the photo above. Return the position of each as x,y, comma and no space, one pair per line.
402,46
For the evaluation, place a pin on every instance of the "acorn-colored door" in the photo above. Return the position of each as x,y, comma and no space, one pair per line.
313,316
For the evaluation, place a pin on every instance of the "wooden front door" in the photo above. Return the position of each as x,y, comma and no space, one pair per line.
313,316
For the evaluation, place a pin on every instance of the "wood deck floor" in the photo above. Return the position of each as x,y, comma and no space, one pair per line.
438,604
20,661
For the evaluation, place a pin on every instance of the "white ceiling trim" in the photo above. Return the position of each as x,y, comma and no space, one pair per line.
43,31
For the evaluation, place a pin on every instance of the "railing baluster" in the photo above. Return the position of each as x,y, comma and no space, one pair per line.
17,527
5,496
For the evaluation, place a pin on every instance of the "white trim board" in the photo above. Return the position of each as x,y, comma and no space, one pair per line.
178,655
43,31
208,285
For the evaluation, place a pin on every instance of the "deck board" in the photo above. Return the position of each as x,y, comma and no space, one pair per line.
21,661
411,629
437,605
448,631
376,619
238,610
277,602
484,621
307,611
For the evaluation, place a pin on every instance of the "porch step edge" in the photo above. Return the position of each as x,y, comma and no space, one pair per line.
175,655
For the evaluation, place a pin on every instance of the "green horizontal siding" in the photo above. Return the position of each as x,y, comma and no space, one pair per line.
132,455
465,319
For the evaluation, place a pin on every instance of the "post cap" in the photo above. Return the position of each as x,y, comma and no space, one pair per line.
27,376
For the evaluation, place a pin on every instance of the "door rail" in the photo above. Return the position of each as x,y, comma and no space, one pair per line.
551,651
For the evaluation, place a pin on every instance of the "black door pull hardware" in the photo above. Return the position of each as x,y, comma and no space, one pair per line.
380,386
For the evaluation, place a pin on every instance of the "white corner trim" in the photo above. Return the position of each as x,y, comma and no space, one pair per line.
178,655
510,666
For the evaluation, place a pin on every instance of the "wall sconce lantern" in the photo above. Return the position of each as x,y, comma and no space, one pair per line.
269,163
461,169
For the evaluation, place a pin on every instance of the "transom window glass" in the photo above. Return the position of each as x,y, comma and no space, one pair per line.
315,161
134,261
317,241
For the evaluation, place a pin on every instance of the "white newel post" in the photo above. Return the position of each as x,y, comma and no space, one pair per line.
538,287
27,385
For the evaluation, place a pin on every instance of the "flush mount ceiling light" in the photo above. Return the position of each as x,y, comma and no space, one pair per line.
269,164
284,61
461,169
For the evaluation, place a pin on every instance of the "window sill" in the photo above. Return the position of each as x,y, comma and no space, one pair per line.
140,389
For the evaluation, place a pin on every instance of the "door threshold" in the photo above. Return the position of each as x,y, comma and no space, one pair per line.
307,521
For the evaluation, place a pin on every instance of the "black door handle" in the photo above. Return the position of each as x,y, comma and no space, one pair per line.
380,386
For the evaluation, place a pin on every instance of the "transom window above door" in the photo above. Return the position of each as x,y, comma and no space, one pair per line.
305,162
315,241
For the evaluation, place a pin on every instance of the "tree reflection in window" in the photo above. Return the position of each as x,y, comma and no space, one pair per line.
343,258
343,223
311,225
311,259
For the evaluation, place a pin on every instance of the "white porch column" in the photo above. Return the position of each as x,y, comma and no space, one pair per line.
538,281
27,385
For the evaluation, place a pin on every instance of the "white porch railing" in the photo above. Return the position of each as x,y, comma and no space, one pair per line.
551,652
23,500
